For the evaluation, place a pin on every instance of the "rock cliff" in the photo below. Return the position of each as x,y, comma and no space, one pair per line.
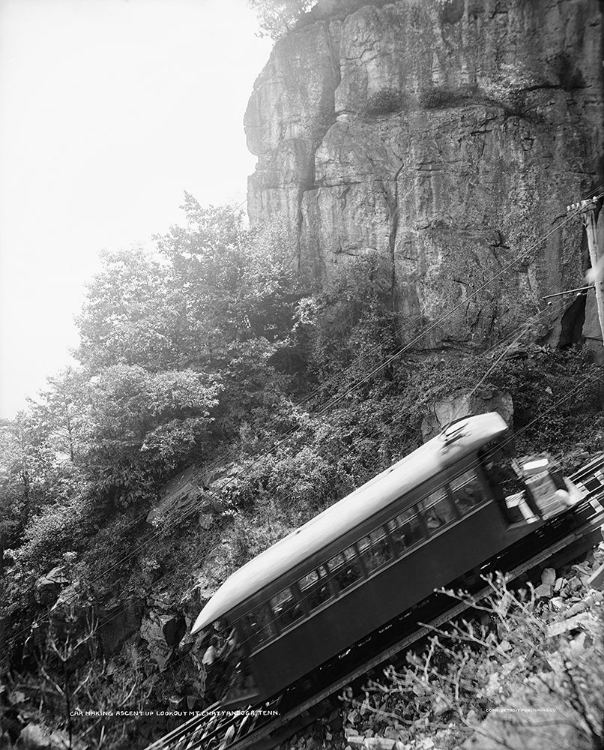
446,138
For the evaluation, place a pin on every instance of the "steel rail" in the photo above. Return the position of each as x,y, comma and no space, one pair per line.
223,731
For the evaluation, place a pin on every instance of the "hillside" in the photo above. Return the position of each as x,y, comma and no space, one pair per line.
408,214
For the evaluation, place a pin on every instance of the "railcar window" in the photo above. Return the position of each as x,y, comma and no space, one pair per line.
285,608
375,549
437,509
314,587
405,530
467,491
345,568
260,625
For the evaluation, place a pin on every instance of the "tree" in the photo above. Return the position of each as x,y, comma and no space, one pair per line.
59,413
211,284
128,316
278,17
145,426
232,284
32,472
349,327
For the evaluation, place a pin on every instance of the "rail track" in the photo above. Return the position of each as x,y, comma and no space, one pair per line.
264,727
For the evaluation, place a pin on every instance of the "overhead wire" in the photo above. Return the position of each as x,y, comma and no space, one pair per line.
516,337
367,377
587,380
599,193
537,419
192,724
332,574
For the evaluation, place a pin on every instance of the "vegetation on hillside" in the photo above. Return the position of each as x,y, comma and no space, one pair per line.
523,671
209,350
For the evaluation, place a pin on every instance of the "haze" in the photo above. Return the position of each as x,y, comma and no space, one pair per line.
109,109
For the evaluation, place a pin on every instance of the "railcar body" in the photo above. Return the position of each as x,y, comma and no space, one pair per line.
419,525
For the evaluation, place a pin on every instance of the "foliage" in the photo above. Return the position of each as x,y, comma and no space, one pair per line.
278,17
210,284
504,668
33,467
186,359
59,527
73,700
350,325
145,426
126,316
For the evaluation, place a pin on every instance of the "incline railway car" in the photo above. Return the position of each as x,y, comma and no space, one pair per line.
419,525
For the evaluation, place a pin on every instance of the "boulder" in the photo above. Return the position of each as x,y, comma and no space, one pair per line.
548,576
34,737
163,633
48,587
596,579
544,591
449,409
179,496
119,622
37,737
174,628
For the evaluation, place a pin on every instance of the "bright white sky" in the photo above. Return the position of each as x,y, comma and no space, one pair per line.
109,109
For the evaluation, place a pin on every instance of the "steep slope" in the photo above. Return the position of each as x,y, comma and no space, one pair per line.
447,138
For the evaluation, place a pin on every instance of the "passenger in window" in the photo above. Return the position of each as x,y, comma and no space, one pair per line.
261,625
377,555
413,531
407,534
230,645
290,612
318,595
433,521
348,576
468,495
315,588
442,510
398,540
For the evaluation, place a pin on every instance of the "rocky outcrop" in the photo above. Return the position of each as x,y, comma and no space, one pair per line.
118,622
178,497
36,737
450,409
48,587
446,138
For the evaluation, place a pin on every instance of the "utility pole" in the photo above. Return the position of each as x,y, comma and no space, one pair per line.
588,210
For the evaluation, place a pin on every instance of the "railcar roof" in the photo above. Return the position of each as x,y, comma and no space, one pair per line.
364,502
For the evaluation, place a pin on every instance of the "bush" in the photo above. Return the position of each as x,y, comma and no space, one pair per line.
57,529
500,680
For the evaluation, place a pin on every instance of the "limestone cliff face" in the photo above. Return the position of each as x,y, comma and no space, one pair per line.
445,137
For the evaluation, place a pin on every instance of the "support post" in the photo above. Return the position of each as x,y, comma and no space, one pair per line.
596,256
595,244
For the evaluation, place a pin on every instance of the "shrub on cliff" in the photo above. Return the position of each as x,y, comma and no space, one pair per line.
278,17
